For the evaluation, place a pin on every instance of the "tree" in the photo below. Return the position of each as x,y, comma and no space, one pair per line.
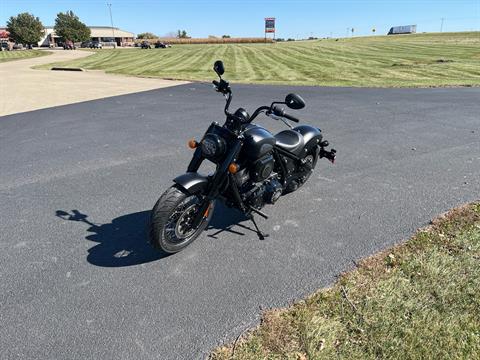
25,28
182,34
226,36
147,35
69,27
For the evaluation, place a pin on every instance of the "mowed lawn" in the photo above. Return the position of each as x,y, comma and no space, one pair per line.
20,54
418,300
442,59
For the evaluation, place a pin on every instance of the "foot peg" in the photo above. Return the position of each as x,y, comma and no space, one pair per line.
262,214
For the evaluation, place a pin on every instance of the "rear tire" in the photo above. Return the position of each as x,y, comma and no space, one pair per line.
298,183
168,227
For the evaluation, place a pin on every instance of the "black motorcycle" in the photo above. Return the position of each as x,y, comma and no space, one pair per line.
253,168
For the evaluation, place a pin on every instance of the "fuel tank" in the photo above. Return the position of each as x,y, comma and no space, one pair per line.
258,142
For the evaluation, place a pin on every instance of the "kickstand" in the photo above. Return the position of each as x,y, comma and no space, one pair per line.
260,234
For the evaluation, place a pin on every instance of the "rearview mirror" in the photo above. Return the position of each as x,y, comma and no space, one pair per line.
294,101
218,67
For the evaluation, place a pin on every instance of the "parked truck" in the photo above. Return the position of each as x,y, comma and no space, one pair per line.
405,29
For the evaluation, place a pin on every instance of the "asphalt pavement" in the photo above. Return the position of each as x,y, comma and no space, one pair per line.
77,280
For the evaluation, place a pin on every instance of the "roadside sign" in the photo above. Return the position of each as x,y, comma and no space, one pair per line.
269,25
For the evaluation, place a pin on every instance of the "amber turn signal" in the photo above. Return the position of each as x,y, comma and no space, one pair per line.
233,168
192,144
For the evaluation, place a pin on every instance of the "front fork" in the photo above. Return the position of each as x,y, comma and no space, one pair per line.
215,182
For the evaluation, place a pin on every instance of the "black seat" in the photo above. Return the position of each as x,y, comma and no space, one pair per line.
290,140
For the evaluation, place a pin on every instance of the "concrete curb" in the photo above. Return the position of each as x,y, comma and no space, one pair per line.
66,69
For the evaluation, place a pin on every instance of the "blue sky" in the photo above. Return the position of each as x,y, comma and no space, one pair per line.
296,19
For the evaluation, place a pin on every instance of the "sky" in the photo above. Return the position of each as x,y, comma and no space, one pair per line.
245,18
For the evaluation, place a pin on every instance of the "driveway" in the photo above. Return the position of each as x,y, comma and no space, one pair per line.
77,279
24,89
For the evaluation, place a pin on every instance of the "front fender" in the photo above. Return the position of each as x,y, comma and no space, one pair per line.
192,182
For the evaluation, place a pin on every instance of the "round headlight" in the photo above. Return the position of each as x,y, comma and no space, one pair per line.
213,146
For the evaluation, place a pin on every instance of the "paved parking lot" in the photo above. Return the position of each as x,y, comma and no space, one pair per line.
77,279
24,89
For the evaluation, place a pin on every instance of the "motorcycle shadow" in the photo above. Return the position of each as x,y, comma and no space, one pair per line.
123,241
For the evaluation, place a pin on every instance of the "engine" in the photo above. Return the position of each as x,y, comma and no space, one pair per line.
258,184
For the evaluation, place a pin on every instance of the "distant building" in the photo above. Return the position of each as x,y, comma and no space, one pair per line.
406,29
103,34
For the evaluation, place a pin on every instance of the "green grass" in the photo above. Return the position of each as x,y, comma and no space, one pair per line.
20,54
419,300
446,59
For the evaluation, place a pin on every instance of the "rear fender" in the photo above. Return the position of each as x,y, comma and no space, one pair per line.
312,137
192,182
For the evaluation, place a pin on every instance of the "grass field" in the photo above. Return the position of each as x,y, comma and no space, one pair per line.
419,300
20,54
443,59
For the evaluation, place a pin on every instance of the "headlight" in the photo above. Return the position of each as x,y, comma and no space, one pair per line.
213,146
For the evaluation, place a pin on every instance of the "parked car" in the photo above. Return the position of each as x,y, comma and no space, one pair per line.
161,45
145,45
69,45
17,47
4,46
95,45
85,44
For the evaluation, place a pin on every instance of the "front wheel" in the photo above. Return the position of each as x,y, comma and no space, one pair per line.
170,227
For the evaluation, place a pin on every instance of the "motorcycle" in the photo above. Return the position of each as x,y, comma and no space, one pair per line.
253,168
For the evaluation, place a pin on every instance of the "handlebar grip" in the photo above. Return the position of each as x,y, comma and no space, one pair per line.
291,118
216,83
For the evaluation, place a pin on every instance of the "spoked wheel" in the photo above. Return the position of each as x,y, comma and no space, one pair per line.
171,222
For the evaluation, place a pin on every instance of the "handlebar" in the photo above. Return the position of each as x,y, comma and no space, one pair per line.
223,87
279,111
290,117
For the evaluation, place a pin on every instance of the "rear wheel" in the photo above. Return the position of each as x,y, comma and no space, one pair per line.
298,181
170,226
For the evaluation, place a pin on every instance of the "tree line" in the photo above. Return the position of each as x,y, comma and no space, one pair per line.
27,29
180,34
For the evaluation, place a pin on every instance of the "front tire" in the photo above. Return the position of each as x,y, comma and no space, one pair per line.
169,227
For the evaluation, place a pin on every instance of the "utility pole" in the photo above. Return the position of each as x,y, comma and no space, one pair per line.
441,25
111,22
348,32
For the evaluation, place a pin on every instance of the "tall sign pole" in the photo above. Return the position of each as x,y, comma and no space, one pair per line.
111,22
269,27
